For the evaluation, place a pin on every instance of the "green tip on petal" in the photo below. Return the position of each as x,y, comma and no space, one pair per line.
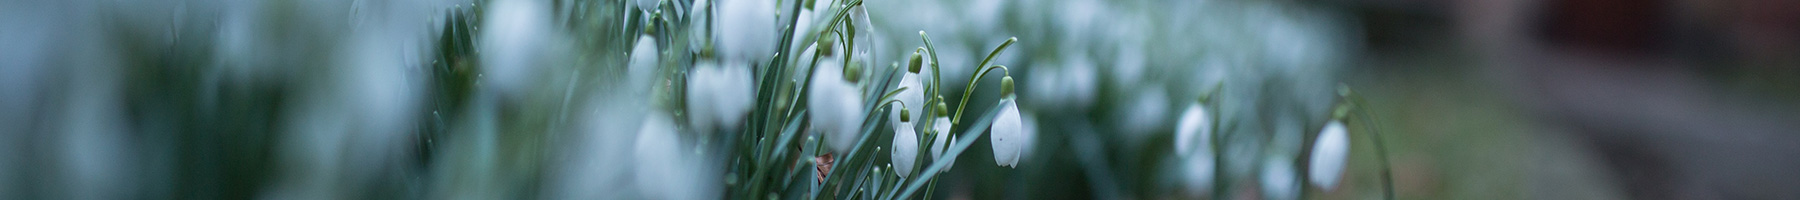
1006,86
916,61
905,114
941,108
853,71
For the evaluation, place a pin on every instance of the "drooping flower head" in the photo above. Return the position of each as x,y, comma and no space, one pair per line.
747,30
836,106
1328,155
718,97
1194,133
906,147
1008,133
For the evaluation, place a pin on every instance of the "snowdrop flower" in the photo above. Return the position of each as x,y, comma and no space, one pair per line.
1198,170
644,59
747,29
941,126
914,95
700,26
719,97
1008,139
514,36
663,170
647,5
1194,131
1069,87
906,147
1328,155
1144,114
836,106
1278,179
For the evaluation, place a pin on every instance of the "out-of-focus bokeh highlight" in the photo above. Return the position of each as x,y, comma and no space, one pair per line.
374,99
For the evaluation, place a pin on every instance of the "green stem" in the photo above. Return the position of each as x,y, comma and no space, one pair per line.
957,118
1370,123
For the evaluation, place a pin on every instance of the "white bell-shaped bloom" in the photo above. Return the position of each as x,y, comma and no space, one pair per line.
647,5
699,26
1278,181
1328,155
914,96
719,97
746,30
836,106
1008,134
644,59
1198,170
1030,134
1194,131
513,38
663,170
906,148
1143,114
942,141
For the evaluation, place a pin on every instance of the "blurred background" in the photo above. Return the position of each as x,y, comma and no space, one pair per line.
359,99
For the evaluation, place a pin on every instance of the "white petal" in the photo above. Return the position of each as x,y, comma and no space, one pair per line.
646,5
914,96
942,126
1195,130
1198,170
1278,179
1006,137
513,36
747,29
643,62
942,141
836,107
1329,154
718,97
906,148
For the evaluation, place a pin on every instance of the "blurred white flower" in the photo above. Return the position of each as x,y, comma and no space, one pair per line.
914,96
1194,131
514,37
1069,87
663,170
1144,114
938,144
1198,171
719,97
1030,134
747,30
1278,181
906,148
647,5
1008,134
700,27
644,58
836,106
1328,155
